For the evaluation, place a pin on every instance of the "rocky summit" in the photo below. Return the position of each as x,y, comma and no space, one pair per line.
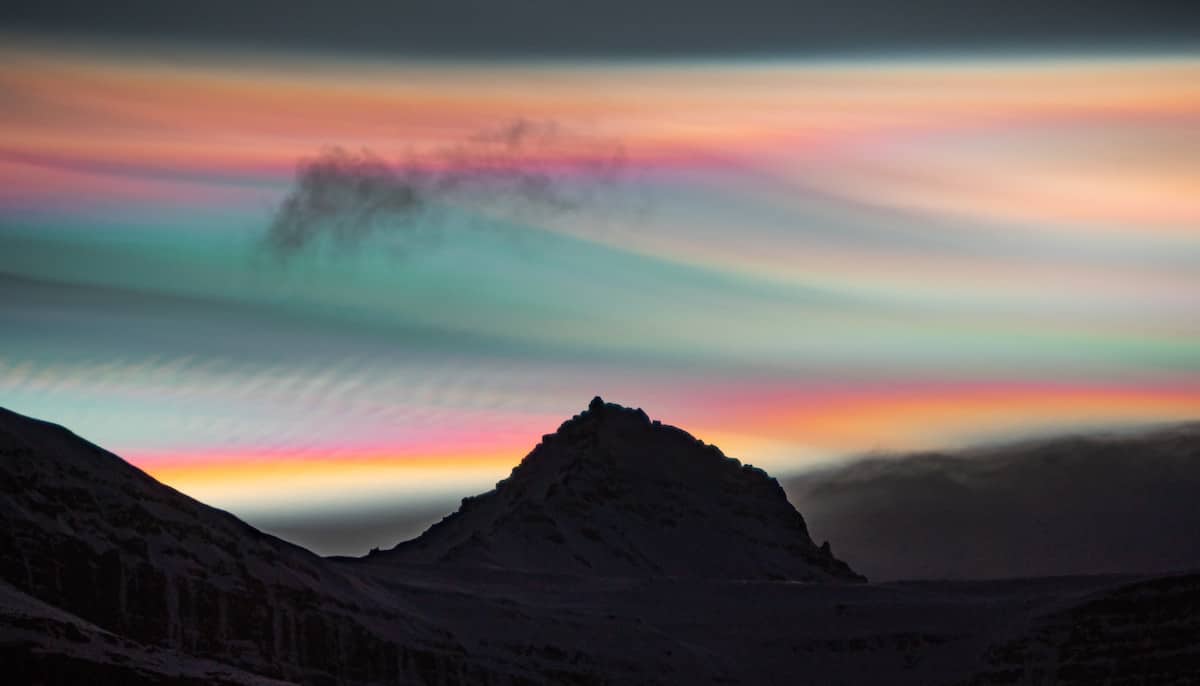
612,493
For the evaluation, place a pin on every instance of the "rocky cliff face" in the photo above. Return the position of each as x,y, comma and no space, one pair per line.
613,493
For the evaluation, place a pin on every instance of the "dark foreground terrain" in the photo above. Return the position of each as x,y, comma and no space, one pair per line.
620,551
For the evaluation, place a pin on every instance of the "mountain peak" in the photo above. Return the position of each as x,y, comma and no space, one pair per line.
603,415
613,493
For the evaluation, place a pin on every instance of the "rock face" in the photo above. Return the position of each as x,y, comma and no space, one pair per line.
612,493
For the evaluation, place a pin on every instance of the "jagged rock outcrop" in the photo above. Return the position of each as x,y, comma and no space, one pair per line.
612,493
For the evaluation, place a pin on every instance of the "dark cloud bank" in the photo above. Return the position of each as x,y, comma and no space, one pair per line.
1063,506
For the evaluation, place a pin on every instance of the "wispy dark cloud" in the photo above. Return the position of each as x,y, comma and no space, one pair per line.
519,169
1065,506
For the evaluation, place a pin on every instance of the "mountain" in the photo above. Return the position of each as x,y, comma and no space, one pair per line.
1117,503
109,577
612,493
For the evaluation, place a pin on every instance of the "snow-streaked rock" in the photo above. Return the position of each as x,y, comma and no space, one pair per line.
612,493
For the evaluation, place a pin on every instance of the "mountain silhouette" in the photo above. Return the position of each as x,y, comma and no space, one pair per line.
612,493
108,577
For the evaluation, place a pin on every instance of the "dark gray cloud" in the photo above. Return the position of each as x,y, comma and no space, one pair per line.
1065,506
521,168
623,27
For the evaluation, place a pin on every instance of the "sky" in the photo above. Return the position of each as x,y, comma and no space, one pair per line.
321,268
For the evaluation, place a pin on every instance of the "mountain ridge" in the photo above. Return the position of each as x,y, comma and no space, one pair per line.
108,577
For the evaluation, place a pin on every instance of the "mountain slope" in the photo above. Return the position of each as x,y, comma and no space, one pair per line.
88,533
612,493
